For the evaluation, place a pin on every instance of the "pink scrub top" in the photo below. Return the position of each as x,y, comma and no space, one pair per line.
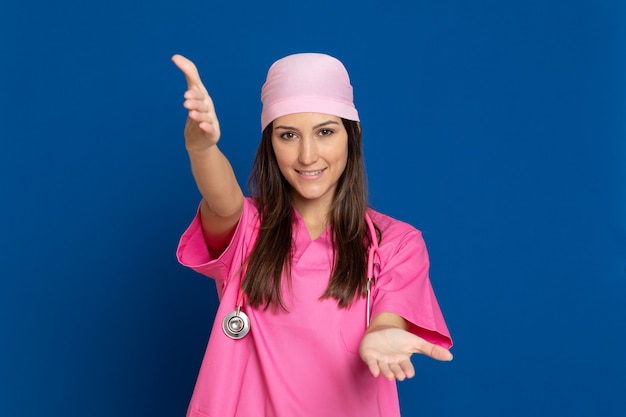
305,362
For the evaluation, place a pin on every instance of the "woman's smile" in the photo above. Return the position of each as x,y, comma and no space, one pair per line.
311,174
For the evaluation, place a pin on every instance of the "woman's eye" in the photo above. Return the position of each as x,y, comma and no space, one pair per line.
288,136
325,132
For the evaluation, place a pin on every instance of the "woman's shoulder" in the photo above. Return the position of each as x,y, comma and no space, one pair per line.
392,228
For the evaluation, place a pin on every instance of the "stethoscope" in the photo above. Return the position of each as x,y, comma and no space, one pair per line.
236,324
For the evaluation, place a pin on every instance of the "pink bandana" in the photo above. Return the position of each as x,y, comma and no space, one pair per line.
309,82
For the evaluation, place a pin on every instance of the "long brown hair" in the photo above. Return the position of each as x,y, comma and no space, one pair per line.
272,253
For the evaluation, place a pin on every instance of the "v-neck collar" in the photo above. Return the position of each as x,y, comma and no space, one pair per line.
301,239
299,221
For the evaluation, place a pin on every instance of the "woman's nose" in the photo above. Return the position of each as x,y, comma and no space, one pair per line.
308,151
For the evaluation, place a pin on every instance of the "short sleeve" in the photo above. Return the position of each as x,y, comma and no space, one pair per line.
403,287
193,252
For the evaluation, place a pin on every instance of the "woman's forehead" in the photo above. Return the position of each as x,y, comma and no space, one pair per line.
306,120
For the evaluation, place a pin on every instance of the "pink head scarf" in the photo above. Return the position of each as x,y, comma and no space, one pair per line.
308,82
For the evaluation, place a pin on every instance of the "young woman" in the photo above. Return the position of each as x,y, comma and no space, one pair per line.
322,299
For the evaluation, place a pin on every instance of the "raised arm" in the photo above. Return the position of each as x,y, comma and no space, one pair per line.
222,198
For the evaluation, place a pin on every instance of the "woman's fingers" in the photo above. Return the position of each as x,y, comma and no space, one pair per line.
407,368
372,364
191,72
197,105
195,94
434,351
392,370
385,370
202,127
196,97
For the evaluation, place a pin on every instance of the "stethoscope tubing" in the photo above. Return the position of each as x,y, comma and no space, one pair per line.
372,252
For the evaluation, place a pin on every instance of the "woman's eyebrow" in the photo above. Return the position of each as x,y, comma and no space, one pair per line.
285,127
329,122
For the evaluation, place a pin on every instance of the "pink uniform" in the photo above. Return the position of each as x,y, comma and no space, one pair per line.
305,362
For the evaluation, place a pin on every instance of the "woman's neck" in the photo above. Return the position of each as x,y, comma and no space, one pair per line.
314,214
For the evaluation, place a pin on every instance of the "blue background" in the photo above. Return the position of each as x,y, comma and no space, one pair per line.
496,127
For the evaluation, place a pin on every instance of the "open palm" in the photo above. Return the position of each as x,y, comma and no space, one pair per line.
388,351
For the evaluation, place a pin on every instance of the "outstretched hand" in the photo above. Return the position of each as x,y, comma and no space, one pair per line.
202,129
388,351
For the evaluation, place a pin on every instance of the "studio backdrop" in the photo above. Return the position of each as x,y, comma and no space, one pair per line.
496,128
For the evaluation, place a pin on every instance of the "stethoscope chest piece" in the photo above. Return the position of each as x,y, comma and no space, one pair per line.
236,324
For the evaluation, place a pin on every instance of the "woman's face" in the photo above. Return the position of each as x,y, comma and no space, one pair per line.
312,152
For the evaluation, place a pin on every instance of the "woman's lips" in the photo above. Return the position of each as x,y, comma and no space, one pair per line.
311,173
